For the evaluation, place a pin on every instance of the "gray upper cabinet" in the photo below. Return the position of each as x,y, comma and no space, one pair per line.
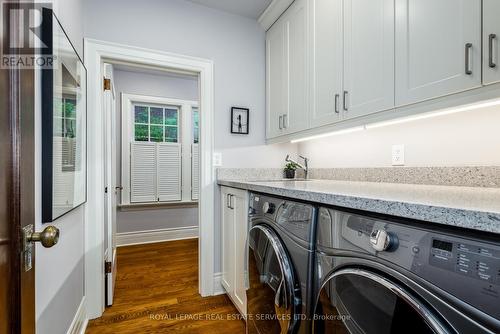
438,48
275,80
368,57
340,62
326,31
286,64
296,115
491,41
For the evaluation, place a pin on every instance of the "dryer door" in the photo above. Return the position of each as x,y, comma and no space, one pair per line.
273,297
361,301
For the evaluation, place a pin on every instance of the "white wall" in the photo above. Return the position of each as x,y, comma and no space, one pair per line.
469,138
164,85
59,278
235,44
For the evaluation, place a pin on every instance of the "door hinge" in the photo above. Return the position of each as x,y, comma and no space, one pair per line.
107,84
107,267
105,190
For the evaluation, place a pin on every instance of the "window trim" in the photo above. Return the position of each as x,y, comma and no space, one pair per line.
185,136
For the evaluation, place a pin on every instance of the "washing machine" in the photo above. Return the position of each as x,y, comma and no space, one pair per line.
280,265
381,275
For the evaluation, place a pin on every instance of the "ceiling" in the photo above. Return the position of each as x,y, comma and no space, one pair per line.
248,8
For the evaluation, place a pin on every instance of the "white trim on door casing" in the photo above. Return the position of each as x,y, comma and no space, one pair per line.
96,52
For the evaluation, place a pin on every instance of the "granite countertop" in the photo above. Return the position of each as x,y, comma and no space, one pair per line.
468,207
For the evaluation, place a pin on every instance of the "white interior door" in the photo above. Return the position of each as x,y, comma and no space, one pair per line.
109,104
438,48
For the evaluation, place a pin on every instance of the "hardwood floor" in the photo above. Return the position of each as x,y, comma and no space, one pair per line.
157,292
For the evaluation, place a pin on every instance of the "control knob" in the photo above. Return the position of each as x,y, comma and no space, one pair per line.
268,207
382,240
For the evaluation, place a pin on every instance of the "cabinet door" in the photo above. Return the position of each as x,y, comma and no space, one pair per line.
326,60
491,41
275,79
296,111
227,235
241,230
368,56
438,48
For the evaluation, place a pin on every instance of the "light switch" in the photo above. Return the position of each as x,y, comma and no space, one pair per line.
217,159
398,155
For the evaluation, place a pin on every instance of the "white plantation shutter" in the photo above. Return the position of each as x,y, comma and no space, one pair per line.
169,172
195,171
143,172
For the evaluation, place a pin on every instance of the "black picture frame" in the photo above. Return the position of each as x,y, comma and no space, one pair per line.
51,29
238,125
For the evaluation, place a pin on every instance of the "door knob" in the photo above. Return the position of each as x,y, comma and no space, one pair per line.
48,237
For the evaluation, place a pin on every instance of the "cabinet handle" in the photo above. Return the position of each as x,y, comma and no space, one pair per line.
285,120
228,201
346,100
491,37
337,97
468,48
280,121
231,202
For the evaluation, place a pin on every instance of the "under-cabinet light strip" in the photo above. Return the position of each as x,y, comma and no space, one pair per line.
443,112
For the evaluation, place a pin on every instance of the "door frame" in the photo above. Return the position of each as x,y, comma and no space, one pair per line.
96,52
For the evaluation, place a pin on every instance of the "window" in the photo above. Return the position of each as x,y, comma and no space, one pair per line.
156,124
195,160
196,125
65,129
160,141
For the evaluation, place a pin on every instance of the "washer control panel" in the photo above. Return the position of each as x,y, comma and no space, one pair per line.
476,261
468,268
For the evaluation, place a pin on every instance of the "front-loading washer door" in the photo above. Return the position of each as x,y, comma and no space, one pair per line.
273,297
361,301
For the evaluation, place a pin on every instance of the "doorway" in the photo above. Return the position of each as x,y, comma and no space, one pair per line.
96,54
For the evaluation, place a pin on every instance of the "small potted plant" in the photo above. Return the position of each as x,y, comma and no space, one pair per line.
289,170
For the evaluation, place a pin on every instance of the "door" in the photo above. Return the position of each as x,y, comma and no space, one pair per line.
273,290
326,60
491,41
17,189
228,256
296,110
368,56
348,295
275,79
240,204
438,48
111,187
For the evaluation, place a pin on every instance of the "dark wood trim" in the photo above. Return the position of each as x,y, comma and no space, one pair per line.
20,153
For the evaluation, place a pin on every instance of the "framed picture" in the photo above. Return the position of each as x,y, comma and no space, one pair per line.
64,129
239,120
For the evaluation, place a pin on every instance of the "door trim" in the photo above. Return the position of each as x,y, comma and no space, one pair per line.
96,52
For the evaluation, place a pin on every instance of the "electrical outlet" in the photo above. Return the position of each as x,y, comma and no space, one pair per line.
217,159
398,155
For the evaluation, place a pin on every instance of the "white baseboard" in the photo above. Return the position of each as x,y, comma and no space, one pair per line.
147,237
80,321
218,288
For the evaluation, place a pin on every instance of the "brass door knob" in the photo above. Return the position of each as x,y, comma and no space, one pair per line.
48,237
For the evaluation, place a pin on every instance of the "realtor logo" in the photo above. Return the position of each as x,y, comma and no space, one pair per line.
23,44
